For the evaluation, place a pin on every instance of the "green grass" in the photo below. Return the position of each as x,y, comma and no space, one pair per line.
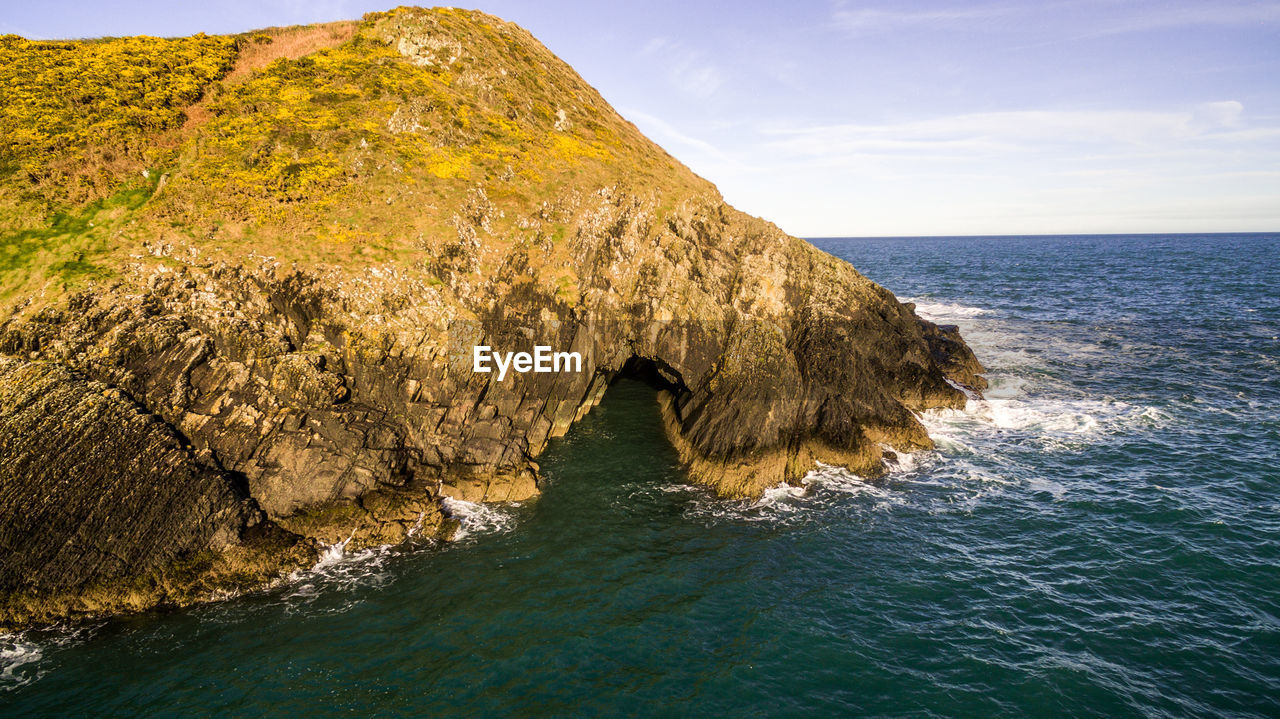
72,249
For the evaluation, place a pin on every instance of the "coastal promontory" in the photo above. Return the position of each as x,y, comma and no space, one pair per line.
242,277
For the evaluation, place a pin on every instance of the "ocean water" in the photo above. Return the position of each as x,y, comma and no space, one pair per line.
1099,537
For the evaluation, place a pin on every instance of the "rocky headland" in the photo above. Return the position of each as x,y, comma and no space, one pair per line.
239,303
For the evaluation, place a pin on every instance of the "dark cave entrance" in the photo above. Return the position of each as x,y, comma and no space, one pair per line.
653,372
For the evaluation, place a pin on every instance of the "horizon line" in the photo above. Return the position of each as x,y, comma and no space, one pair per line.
1035,234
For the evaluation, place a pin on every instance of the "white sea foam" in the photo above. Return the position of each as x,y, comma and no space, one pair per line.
825,479
23,656
946,312
902,462
971,459
948,429
1042,418
341,569
337,569
1045,418
828,478
997,346
1041,484
1005,386
1022,405
778,495
17,655
479,519
1154,416
822,487
332,554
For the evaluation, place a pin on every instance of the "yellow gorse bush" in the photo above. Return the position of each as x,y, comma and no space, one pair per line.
330,144
57,97
302,129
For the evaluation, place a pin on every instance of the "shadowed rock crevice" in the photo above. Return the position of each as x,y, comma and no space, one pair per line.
654,373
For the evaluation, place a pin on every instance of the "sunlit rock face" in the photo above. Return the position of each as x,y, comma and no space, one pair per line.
265,346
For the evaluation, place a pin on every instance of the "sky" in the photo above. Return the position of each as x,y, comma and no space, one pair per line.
894,117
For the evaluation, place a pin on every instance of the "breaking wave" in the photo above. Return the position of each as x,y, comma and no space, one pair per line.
477,519
824,487
339,570
19,661
946,311
978,449
23,655
1046,421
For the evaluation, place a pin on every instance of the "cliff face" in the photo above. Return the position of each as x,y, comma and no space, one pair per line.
105,503
282,316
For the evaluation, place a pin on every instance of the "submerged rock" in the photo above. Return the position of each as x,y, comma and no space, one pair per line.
258,407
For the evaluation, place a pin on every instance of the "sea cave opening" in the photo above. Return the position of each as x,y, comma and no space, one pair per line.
622,437
653,372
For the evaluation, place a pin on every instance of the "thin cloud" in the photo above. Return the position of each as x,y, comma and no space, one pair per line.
1191,14
1091,20
873,19
653,125
686,69
1021,131
10,29
701,155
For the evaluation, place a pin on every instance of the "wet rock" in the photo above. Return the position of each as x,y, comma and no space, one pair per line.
953,356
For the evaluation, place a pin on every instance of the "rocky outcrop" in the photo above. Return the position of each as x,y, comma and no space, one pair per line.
266,405
289,379
106,506
952,355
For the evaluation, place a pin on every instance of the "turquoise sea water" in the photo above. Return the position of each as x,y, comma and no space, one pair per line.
1100,537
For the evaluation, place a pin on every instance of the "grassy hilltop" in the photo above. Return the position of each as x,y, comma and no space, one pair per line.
344,144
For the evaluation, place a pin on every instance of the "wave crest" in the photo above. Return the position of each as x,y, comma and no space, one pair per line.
476,519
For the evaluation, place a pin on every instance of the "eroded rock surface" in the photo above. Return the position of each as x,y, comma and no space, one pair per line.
215,404
106,505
